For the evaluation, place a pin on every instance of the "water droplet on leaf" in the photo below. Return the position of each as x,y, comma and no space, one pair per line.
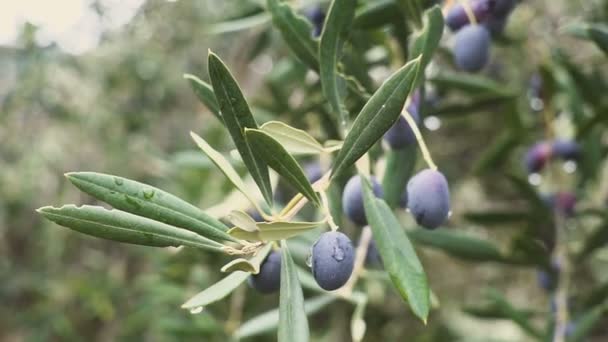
148,194
196,310
118,181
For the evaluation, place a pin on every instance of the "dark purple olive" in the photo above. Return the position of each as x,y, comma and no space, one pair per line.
428,198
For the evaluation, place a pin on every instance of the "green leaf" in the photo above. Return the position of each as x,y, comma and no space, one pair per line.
471,84
376,117
293,324
242,220
248,22
584,325
497,217
597,239
336,28
251,265
224,166
426,42
272,231
597,32
412,10
516,315
374,14
205,94
273,153
532,196
270,320
398,255
237,117
217,291
399,168
295,141
124,227
296,31
457,244
147,201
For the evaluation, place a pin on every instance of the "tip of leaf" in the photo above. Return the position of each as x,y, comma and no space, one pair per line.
188,76
44,210
69,175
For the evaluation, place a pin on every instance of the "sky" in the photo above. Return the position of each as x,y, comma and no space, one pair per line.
72,24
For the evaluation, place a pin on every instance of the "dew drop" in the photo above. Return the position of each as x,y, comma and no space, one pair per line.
118,181
309,260
196,310
449,214
338,253
537,104
535,179
148,194
569,166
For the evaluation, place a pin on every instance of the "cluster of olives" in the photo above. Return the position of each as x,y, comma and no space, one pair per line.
542,152
472,40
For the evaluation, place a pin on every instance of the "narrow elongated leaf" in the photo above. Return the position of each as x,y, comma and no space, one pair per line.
124,227
458,244
471,84
295,141
224,166
239,24
296,31
205,94
399,168
270,320
585,324
242,220
426,42
282,162
335,32
497,217
293,324
374,14
597,32
398,255
376,117
147,201
237,117
272,231
217,291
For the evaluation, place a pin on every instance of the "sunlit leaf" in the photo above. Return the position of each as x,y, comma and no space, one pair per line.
295,141
273,231
217,291
251,265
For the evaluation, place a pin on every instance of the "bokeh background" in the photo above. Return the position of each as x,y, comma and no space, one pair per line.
97,86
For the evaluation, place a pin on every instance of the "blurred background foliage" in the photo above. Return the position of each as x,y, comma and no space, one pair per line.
123,108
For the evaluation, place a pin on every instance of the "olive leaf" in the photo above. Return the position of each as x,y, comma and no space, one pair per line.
275,156
376,117
426,42
224,166
296,32
217,291
205,94
237,117
273,231
147,201
295,141
293,324
242,220
124,227
400,165
270,320
458,244
398,255
335,31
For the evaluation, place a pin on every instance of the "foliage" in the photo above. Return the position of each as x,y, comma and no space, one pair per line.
279,101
